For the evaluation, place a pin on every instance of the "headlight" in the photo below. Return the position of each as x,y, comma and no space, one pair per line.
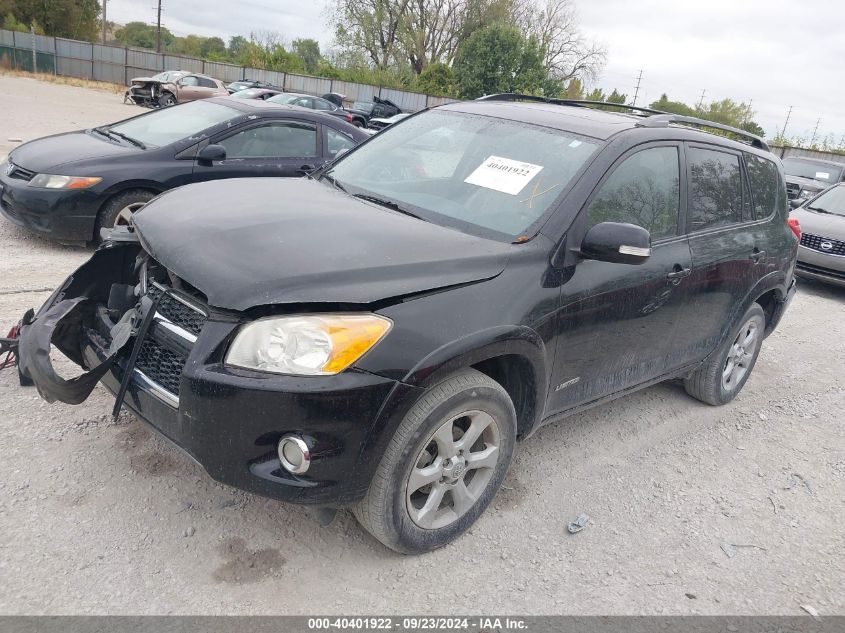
51,181
806,194
307,345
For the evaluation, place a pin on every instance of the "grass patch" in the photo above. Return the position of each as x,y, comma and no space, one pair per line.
65,81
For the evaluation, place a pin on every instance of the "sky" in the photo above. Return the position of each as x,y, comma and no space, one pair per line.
777,53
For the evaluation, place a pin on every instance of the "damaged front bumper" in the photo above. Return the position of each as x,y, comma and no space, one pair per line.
228,420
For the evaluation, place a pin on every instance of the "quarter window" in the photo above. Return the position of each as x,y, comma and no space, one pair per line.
274,140
715,192
337,141
643,190
765,185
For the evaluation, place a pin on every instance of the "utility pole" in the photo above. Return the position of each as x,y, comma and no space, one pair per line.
105,22
748,111
158,29
701,101
34,56
637,89
815,131
788,114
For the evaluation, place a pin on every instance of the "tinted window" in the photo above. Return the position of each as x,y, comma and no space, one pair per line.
276,140
715,189
205,82
643,190
765,185
162,127
337,141
322,104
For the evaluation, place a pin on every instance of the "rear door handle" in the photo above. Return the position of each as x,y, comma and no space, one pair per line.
757,255
678,273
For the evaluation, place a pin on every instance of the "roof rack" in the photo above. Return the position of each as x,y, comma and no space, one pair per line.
584,103
663,120
655,118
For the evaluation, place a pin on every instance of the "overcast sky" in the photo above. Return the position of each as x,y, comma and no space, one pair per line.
776,52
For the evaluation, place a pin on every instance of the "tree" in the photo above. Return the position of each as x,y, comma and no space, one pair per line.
596,94
371,26
616,97
237,43
308,50
143,35
213,47
498,59
566,52
675,107
574,89
436,79
74,19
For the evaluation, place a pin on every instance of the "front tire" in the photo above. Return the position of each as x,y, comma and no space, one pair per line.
722,376
119,209
443,466
166,100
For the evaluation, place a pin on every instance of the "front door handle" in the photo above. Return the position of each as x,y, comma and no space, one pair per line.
757,255
678,273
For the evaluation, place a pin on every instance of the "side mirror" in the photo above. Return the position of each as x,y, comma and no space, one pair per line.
210,153
795,203
617,243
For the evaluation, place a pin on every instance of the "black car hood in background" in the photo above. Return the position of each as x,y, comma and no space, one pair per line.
44,155
259,241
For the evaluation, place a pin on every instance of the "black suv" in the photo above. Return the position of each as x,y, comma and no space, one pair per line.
381,335
363,111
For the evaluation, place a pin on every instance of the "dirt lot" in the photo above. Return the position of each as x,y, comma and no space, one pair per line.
99,516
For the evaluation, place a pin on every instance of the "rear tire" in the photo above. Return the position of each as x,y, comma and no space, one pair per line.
722,376
430,485
120,208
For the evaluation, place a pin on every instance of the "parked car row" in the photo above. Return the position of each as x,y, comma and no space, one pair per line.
379,335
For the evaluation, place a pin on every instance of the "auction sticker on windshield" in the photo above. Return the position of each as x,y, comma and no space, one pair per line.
503,174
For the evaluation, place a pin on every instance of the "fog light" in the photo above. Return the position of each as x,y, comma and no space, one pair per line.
294,454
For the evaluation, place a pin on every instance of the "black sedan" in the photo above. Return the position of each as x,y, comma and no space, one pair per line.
69,186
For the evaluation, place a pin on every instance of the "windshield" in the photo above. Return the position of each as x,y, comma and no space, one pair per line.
167,76
466,170
363,106
831,201
245,94
284,97
169,125
815,171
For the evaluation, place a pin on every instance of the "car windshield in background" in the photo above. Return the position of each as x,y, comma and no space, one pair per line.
284,97
363,106
466,171
166,76
169,125
831,201
815,171
239,86
245,94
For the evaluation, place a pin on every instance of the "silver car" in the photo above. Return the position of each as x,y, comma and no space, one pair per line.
821,254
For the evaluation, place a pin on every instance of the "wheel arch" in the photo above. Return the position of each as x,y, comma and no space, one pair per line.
515,357
122,187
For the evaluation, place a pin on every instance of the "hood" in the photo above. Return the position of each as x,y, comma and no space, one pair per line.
45,155
821,224
147,80
248,242
807,183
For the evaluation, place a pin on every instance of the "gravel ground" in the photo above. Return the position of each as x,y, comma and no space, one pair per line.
693,509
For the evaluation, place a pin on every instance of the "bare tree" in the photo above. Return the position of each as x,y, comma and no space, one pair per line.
372,26
554,24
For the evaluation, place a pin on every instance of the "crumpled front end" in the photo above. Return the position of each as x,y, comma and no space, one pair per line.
145,93
154,341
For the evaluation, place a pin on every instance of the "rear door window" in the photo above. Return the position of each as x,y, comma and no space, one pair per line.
205,82
765,185
715,189
642,190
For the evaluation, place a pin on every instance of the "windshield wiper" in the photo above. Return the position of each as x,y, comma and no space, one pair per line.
334,182
819,209
134,141
390,204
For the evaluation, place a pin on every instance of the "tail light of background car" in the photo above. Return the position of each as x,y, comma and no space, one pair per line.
349,118
795,225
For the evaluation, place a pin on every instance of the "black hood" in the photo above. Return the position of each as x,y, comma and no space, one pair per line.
260,241
47,154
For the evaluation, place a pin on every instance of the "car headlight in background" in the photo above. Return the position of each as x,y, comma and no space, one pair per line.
805,194
51,181
306,345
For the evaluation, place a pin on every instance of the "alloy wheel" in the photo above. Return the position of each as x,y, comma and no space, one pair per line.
740,355
453,469
124,216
